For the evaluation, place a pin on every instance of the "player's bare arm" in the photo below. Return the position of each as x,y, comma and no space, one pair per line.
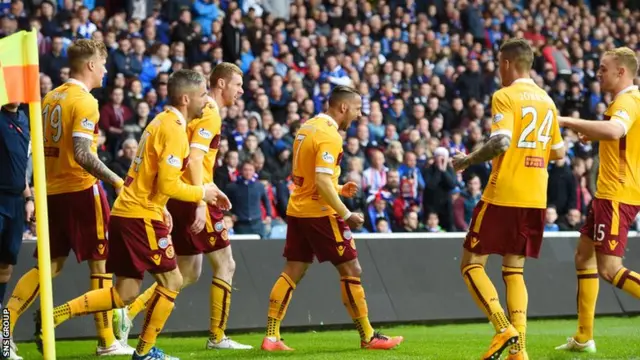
330,195
594,130
496,145
91,163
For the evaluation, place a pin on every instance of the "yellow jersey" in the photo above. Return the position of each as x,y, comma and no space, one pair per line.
317,148
204,134
524,112
154,175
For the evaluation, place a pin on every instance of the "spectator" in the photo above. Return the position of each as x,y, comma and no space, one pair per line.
440,181
433,223
561,191
550,218
464,205
572,221
375,177
112,119
248,196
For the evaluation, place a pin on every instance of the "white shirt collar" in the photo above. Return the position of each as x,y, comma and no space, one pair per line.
627,89
79,83
178,114
524,81
327,117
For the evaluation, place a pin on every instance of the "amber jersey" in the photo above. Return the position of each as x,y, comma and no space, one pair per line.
317,148
68,111
154,175
619,171
204,134
524,112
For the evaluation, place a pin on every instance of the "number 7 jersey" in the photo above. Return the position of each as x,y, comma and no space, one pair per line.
519,176
68,111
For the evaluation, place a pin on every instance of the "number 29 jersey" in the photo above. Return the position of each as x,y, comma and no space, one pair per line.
68,111
525,113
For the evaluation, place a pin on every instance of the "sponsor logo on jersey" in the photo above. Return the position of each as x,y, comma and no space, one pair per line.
328,158
87,124
497,118
174,161
204,133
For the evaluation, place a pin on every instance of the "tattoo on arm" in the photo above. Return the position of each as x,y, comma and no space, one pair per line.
90,162
495,146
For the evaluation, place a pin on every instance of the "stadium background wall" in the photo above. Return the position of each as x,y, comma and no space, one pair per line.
407,277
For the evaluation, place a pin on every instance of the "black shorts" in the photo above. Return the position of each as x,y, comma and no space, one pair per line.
12,226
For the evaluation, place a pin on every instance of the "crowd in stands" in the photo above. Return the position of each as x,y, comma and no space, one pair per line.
426,70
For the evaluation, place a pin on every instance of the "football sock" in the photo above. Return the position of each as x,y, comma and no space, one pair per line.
517,301
140,303
279,299
485,295
588,287
24,294
160,307
628,281
103,319
354,300
220,303
89,303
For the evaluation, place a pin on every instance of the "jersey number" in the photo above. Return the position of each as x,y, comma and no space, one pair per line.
138,159
54,120
543,131
299,139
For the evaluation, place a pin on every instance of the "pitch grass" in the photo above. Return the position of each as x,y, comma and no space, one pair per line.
617,338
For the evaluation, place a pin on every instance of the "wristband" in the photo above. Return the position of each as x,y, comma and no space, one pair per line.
347,215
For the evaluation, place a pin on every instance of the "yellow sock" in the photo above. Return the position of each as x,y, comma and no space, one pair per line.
160,307
24,294
89,303
279,299
140,303
220,303
485,295
629,281
588,287
517,302
354,300
103,320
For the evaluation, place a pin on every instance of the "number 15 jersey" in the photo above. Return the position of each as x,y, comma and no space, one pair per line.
525,113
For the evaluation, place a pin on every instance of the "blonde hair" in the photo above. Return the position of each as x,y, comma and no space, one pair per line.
225,71
81,51
625,57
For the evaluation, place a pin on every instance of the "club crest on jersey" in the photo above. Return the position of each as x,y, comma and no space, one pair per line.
87,124
174,161
328,158
497,118
163,243
219,226
204,133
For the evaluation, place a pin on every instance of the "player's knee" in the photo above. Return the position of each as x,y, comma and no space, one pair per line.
56,266
350,268
173,281
127,295
608,271
190,278
5,272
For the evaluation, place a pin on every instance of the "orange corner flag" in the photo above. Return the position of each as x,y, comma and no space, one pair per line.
19,72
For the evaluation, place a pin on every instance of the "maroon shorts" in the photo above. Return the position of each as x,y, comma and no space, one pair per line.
608,225
214,236
78,221
505,230
138,245
328,238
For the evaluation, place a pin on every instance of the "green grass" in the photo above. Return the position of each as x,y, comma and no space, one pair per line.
616,338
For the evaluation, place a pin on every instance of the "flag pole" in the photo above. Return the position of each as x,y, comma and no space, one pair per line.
42,224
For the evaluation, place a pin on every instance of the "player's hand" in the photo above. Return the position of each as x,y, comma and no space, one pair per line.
223,202
563,121
584,138
349,190
29,211
355,221
200,220
459,161
168,220
211,192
